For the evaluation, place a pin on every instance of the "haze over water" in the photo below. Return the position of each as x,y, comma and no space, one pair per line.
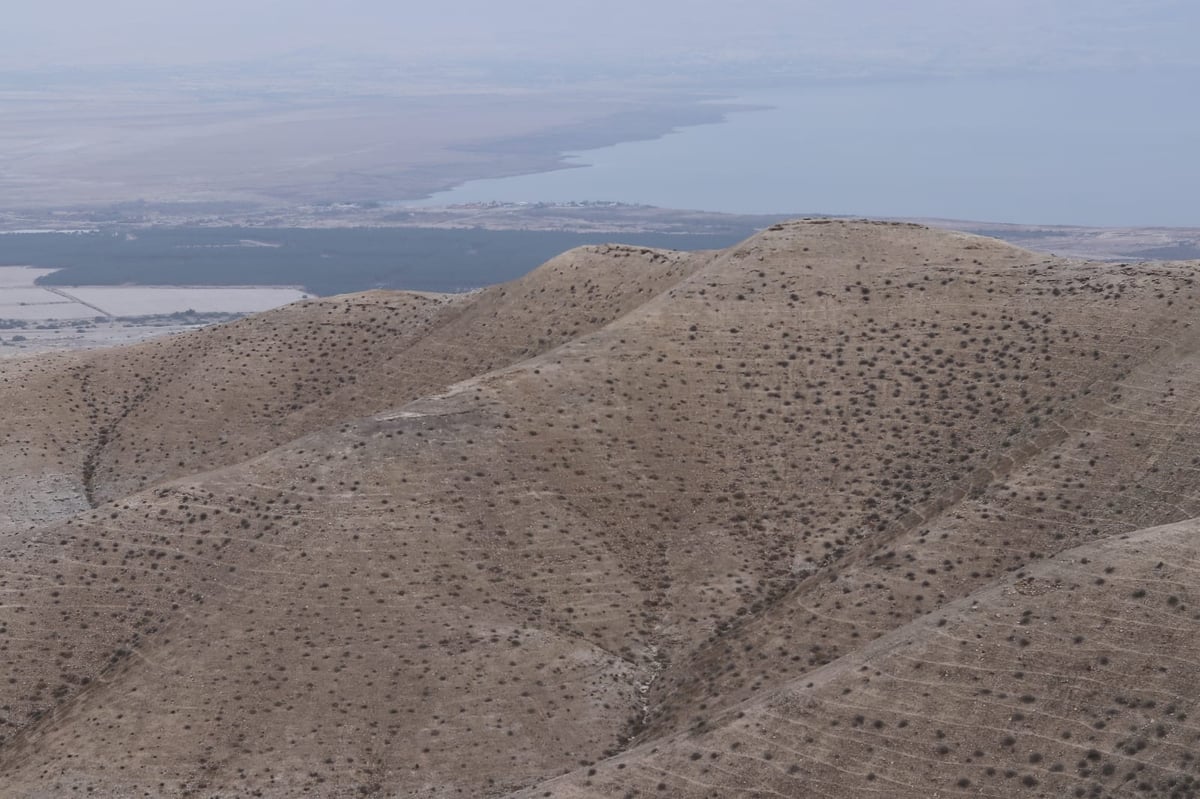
1064,149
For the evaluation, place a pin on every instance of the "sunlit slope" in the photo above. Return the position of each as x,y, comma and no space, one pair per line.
111,421
768,459
824,389
41,474
1101,439
103,424
1074,676
334,616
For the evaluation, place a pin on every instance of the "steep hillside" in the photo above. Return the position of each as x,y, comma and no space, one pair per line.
590,523
1072,677
99,425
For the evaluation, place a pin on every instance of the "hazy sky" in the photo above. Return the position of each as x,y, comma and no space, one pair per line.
1108,121
945,34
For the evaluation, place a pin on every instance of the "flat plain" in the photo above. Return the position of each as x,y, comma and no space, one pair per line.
848,509
117,143
38,318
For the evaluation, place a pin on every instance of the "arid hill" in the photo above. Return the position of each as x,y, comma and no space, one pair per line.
851,509
96,426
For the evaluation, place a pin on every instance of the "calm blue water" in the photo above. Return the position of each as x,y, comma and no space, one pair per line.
1067,149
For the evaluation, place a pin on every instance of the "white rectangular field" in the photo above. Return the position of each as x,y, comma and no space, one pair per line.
152,300
28,295
32,304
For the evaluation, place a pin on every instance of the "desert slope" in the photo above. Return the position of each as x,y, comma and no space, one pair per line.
1072,677
597,513
89,427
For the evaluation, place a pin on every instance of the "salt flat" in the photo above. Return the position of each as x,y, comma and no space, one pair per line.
151,300
35,304
20,276
37,319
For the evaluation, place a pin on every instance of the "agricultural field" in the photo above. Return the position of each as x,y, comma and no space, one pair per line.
35,318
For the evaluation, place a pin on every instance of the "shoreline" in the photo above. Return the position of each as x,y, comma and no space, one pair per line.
405,149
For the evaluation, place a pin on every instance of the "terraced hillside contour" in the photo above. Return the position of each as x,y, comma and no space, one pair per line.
850,509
